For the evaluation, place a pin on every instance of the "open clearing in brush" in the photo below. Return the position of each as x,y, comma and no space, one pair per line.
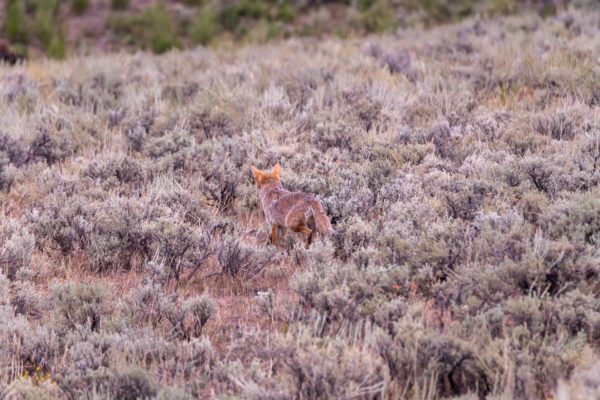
461,166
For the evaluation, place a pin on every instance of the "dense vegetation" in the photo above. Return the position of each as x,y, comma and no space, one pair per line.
461,165
57,28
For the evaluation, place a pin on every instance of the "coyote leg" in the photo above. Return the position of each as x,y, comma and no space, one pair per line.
307,232
274,238
309,239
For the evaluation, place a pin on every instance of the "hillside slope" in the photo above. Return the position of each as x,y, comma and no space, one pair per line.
54,28
460,164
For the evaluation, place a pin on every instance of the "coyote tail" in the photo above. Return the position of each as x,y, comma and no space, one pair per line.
321,220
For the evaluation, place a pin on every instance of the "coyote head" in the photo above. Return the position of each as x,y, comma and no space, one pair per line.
262,177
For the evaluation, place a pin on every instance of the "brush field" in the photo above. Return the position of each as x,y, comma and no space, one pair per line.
461,165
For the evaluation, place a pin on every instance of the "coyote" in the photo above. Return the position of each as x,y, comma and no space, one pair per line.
298,211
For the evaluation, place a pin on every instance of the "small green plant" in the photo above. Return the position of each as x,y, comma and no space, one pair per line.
119,5
15,24
48,28
502,6
43,25
57,47
197,3
163,36
379,17
365,4
256,9
230,17
80,6
204,29
285,12
153,29
440,11
274,30
436,10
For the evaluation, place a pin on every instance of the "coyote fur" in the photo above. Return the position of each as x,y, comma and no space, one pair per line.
301,212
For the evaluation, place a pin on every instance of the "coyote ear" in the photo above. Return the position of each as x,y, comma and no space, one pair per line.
276,170
256,173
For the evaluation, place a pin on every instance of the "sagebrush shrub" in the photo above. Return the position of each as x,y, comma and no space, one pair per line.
311,370
17,248
86,356
464,199
131,384
12,150
64,220
397,61
4,290
559,127
173,393
540,173
235,258
33,389
584,385
198,311
79,306
117,236
116,171
577,219
181,246
27,300
46,148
